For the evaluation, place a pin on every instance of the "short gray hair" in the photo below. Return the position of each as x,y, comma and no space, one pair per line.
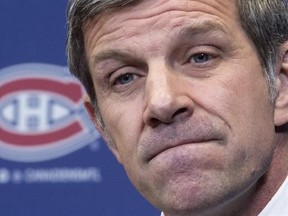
264,21
266,24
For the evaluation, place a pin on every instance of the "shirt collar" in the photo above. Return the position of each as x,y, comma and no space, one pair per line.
278,204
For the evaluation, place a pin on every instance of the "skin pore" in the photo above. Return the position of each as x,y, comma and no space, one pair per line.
185,103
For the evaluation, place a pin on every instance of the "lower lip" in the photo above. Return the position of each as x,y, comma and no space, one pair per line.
190,151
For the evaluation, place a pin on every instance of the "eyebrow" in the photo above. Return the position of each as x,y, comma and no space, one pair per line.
202,28
110,54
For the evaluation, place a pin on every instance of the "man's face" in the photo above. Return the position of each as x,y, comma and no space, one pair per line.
183,97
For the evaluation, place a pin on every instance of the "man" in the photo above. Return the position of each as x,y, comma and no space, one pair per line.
191,97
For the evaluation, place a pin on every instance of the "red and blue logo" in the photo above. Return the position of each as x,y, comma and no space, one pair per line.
41,113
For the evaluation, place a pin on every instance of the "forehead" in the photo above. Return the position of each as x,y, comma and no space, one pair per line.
118,23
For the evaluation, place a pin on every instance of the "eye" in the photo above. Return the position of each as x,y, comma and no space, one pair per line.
200,58
124,79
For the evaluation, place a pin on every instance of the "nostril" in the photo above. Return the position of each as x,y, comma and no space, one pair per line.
179,114
179,111
154,122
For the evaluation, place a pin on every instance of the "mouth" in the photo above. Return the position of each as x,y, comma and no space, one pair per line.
175,146
201,132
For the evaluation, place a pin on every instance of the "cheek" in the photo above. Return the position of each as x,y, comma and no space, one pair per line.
249,113
240,98
123,122
239,94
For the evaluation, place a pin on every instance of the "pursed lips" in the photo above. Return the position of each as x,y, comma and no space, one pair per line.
199,129
164,147
158,141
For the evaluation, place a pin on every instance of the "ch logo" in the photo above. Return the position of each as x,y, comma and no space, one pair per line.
41,113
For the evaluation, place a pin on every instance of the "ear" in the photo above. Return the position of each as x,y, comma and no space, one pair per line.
99,125
281,105
92,114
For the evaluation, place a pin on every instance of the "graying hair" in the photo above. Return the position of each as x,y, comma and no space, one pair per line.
264,21
266,24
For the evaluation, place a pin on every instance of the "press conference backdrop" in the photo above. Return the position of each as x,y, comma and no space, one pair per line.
52,161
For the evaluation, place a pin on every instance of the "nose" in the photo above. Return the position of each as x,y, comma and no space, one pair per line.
167,99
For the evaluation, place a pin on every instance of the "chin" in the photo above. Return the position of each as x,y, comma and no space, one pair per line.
185,195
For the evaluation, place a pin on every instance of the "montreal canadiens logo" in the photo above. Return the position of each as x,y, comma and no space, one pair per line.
41,113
